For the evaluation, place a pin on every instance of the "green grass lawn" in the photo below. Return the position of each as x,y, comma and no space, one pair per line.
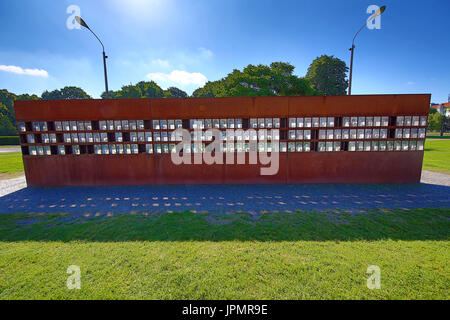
11,163
304,255
437,156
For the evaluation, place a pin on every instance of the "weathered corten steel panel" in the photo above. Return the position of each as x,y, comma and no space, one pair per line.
301,167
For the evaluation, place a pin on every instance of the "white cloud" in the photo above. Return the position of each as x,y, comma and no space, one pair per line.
205,53
410,83
161,63
29,72
179,77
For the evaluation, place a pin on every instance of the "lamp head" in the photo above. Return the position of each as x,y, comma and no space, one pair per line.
81,22
377,13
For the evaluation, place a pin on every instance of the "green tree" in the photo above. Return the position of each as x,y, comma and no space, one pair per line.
261,80
66,93
142,89
7,101
328,75
435,121
6,127
174,92
432,110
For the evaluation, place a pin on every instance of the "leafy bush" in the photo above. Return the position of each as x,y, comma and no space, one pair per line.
9,141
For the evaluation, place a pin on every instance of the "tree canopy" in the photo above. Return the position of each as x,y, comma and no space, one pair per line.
65,93
328,75
261,80
145,89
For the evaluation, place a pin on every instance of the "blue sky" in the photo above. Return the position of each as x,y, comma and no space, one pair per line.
186,42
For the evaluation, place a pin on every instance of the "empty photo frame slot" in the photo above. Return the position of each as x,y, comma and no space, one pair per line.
147,125
95,125
25,150
83,149
29,126
90,149
111,137
68,149
50,126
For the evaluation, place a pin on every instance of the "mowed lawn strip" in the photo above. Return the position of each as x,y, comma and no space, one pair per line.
304,255
11,162
437,156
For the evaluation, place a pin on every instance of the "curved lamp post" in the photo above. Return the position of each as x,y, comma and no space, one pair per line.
352,49
84,24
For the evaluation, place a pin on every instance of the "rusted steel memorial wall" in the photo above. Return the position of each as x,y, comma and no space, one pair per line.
334,139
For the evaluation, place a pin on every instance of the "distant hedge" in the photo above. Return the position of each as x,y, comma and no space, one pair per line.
9,141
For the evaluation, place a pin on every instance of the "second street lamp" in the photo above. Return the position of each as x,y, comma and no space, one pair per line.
84,24
352,49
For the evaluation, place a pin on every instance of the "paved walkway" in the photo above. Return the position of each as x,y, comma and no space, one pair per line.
431,177
11,149
228,198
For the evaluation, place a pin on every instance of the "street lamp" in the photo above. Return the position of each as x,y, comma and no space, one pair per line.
352,49
84,24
